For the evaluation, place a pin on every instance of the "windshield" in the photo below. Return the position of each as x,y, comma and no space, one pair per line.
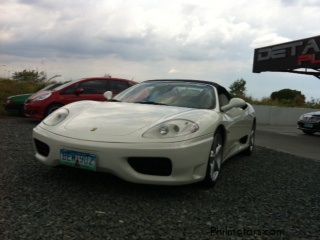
181,94
66,84
51,86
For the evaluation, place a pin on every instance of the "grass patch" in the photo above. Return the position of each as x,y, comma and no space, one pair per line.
10,87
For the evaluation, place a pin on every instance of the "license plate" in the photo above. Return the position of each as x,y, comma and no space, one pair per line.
78,159
308,125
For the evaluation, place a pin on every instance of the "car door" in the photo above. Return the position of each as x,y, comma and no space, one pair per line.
92,89
117,86
236,122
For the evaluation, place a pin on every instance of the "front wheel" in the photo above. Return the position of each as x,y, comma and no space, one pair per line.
249,150
214,161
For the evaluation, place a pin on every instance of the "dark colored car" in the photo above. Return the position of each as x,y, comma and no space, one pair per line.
309,123
39,105
15,104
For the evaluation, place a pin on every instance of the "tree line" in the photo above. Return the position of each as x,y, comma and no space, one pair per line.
284,97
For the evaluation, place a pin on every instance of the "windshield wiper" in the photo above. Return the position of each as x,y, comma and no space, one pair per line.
113,100
150,102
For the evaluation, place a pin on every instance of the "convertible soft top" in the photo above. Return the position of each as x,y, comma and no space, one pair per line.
216,85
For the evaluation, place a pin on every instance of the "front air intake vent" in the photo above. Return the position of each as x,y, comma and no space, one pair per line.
151,165
42,148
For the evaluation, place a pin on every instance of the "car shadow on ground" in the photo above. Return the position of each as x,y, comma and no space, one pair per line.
315,135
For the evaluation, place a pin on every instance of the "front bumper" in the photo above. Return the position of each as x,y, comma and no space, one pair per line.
309,126
34,111
12,107
189,158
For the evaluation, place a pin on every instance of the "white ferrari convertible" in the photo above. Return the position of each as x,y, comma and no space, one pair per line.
166,132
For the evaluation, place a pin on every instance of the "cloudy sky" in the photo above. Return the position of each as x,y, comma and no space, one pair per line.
146,39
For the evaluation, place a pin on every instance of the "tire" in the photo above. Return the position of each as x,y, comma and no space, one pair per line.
249,150
52,108
309,132
21,111
214,161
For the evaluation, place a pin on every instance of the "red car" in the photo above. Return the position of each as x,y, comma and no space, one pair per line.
39,105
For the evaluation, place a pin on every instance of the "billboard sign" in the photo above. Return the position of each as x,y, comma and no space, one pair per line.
304,53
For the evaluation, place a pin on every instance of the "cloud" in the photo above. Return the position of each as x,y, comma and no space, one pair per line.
201,38
268,39
173,71
140,32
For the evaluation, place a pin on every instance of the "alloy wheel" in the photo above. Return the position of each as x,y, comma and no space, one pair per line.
214,161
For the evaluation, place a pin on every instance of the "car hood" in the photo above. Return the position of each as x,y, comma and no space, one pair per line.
40,92
26,95
312,114
118,122
316,113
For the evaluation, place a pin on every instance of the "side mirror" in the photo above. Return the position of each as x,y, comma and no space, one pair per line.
79,91
234,102
108,95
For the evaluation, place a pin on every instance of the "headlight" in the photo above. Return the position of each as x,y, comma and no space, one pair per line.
42,96
305,117
172,128
56,117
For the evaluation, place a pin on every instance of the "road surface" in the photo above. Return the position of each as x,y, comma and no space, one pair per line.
289,139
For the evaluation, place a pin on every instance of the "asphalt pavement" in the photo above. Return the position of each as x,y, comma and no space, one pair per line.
289,139
270,195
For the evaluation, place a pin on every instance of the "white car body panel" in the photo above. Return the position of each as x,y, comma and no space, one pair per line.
113,132
126,122
112,156
237,122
